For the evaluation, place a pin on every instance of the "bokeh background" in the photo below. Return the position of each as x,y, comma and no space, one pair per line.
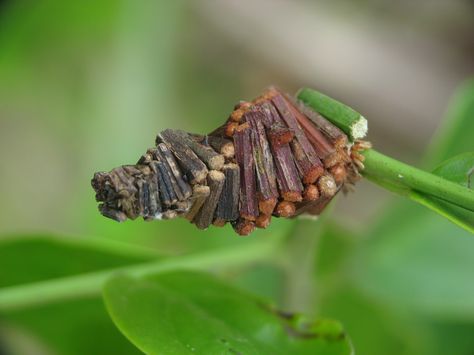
86,85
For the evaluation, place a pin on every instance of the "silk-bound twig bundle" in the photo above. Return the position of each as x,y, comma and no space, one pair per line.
273,157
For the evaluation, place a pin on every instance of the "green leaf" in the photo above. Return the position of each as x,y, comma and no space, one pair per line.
457,170
39,257
371,325
75,327
376,325
266,280
375,328
419,261
71,327
454,136
188,312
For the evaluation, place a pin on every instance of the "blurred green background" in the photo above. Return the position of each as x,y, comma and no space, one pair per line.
85,86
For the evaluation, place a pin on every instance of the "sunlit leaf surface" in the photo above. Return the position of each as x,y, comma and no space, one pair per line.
188,312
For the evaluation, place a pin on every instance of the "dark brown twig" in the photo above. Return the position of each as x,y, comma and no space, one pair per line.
287,175
265,168
167,156
192,166
228,206
222,145
307,160
244,157
215,181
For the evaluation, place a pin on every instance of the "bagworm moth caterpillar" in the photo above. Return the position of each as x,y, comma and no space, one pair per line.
272,157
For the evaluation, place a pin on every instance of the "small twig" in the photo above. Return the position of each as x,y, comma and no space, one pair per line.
215,181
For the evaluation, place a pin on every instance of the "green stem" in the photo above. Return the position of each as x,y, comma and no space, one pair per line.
343,116
29,295
384,170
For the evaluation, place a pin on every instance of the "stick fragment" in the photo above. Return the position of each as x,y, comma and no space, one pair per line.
209,156
166,186
265,168
228,205
222,145
309,171
335,135
287,175
307,160
155,203
279,135
244,157
112,213
167,156
215,181
322,145
172,182
192,166
200,194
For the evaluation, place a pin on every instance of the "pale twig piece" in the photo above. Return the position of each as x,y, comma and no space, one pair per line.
200,194
222,145
215,181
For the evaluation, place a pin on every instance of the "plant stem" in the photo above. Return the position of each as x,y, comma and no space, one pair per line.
343,116
65,288
383,170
